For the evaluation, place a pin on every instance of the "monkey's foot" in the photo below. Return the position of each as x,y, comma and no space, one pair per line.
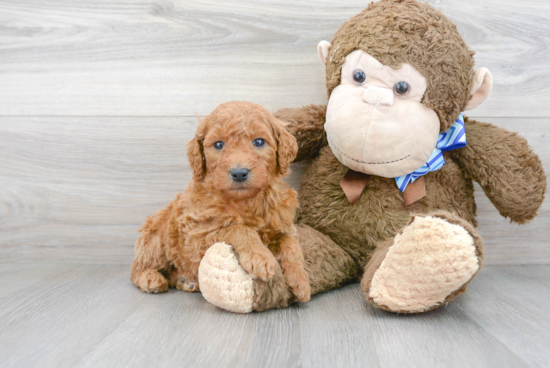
225,284
430,262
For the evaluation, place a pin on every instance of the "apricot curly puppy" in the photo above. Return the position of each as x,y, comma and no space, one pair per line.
239,157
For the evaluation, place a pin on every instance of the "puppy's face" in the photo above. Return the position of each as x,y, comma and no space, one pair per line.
243,148
241,155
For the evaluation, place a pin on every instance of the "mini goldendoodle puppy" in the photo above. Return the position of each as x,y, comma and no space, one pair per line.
239,157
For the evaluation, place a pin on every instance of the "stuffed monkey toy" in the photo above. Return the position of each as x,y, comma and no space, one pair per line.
388,198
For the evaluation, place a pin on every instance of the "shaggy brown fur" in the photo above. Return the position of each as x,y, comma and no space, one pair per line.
255,216
343,242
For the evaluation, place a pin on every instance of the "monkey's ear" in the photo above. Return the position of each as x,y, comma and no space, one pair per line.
482,85
195,152
322,51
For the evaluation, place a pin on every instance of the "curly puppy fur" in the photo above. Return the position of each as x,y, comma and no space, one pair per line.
255,216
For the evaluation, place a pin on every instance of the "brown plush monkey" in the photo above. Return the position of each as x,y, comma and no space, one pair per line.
388,197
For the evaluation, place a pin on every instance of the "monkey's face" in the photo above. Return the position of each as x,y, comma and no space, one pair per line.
376,122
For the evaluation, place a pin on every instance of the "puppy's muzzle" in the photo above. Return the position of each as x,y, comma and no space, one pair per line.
239,175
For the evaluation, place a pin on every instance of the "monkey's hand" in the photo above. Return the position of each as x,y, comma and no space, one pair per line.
306,124
509,172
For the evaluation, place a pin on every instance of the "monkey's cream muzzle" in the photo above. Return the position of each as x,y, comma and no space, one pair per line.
371,129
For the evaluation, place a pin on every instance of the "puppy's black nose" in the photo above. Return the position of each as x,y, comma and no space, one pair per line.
239,175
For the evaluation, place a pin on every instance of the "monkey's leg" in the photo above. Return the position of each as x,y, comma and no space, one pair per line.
225,284
428,263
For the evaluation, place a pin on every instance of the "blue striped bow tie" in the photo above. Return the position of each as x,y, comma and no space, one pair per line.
453,138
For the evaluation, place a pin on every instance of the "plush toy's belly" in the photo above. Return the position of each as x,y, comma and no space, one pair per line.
379,213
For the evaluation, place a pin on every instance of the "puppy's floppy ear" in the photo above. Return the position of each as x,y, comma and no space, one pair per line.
287,148
195,152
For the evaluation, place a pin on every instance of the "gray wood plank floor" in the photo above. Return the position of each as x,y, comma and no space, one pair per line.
92,316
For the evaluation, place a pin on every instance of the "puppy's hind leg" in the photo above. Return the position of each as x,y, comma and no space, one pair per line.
150,259
186,280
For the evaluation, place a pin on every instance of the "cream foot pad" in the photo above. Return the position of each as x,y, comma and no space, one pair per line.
428,261
223,282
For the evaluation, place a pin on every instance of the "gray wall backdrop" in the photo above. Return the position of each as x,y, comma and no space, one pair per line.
98,99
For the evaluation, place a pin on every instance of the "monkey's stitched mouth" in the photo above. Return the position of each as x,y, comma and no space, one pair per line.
371,163
389,162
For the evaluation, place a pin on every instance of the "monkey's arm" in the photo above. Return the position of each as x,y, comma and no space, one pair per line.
510,173
306,124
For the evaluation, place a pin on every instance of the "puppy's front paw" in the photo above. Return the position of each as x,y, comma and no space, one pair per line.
259,263
302,290
297,280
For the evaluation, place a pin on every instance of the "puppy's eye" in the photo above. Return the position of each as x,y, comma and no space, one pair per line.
359,76
258,142
218,145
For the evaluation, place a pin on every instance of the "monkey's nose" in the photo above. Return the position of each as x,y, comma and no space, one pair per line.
239,175
378,96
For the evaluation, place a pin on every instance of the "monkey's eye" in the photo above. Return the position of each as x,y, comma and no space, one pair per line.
258,142
401,88
218,145
359,76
